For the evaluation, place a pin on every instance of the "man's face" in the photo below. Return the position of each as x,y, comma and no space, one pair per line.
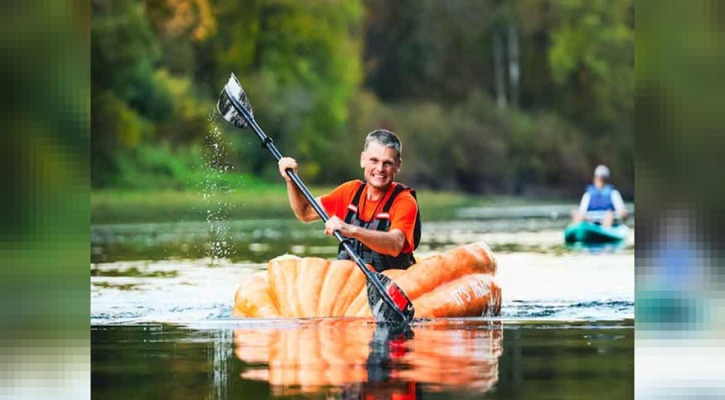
380,165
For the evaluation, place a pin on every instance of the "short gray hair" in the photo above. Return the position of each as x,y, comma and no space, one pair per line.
387,139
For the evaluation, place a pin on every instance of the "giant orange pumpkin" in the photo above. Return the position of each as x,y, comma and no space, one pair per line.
457,283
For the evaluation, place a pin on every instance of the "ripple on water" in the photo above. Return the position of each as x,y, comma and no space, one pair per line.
614,310
535,287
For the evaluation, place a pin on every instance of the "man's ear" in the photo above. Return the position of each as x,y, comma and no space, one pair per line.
398,165
362,159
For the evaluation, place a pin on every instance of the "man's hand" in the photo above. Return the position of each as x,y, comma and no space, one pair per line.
284,163
336,224
391,242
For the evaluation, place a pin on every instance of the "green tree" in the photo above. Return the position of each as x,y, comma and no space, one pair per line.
427,50
299,61
592,64
123,53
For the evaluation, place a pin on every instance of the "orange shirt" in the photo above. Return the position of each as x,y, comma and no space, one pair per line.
402,213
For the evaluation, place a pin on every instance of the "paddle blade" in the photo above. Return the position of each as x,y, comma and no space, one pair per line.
386,337
227,109
384,312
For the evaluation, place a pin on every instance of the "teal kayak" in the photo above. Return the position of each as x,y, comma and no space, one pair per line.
589,232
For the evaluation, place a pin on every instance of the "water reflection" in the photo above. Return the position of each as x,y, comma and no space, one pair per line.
599,248
352,358
220,353
449,359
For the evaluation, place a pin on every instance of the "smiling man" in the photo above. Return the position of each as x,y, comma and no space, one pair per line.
378,215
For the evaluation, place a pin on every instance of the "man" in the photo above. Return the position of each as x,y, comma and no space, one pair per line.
601,200
379,216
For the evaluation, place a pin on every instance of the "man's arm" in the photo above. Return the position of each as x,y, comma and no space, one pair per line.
619,204
390,242
584,204
300,206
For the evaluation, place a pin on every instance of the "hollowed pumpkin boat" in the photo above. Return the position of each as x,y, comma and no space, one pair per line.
456,283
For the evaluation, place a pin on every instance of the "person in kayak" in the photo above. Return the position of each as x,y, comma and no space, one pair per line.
601,202
379,217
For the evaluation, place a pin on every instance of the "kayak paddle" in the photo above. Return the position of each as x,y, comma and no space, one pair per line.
387,300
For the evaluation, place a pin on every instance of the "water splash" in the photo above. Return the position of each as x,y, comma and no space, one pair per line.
220,356
215,190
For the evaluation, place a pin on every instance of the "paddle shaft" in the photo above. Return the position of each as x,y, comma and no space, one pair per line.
268,144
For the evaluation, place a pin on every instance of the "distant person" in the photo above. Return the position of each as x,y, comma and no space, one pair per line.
378,215
601,203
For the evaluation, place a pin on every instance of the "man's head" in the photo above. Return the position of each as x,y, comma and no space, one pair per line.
381,158
601,175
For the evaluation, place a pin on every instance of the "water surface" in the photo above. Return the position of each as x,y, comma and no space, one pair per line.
353,359
162,326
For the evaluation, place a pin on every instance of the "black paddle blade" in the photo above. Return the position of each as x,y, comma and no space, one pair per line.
401,311
226,107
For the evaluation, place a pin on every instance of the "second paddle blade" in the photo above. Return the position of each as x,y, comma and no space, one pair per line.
384,312
226,107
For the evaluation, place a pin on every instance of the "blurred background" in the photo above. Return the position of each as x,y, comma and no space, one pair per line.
515,98
44,254
504,109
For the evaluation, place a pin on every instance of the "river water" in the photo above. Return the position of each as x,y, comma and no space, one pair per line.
162,295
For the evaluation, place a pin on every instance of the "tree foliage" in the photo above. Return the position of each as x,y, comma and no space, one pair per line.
321,74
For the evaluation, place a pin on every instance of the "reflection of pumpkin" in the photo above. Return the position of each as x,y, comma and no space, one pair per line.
457,283
312,356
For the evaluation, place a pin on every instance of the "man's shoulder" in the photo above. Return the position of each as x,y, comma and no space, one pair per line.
405,197
345,190
348,188
352,184
408,190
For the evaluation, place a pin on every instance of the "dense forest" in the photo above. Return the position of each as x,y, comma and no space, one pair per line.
492,96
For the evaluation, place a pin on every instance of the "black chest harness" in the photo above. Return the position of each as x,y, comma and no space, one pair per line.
379,222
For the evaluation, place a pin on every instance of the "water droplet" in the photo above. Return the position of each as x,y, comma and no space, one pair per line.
216,166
